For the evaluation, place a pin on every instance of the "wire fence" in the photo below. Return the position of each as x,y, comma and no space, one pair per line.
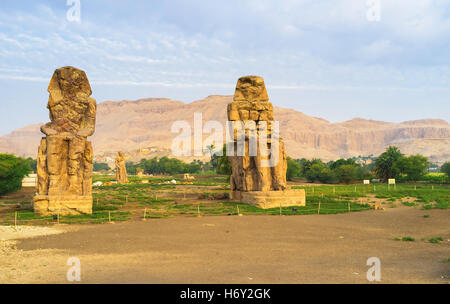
27,217
324,199
161,206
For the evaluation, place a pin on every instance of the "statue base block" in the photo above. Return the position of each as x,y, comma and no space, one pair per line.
44,205
271,199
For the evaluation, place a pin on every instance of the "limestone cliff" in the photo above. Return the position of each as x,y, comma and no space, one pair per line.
130,125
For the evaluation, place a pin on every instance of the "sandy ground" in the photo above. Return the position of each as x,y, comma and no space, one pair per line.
24,232
248,249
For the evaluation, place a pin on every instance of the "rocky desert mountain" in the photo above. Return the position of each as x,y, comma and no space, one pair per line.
144,125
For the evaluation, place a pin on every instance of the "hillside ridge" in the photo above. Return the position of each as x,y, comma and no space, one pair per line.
131,125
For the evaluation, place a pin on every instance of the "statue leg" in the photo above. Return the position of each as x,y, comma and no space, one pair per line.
77,147
88,166
42,171
55,162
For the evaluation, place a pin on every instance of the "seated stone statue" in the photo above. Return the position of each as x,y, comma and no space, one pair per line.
258,178
65,157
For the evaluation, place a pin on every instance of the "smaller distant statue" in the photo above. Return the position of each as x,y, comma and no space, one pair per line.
188,177
140,172
121,169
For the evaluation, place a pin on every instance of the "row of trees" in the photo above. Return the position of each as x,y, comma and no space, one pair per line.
446,169
394,164
101,167
12,170
164,165
390,164
315,170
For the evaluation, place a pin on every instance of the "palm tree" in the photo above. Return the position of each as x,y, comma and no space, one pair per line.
384,165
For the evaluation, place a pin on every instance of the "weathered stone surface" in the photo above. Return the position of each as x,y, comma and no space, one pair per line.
62,204
140,172
250,180
251,89
121,169
274,199
65,157
188,177
251,106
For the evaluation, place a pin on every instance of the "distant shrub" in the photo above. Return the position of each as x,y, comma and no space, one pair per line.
346,173
12,170
294,169
223,163
414,166
101,167
405,239
436,240
446,169
431,177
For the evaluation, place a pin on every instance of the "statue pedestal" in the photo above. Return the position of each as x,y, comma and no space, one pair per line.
64,169
271,199
44,205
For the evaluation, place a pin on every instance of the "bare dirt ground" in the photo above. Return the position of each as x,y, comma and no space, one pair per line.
248,249
24,194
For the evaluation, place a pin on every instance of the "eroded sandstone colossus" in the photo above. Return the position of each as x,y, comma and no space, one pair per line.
121,169
65,157
251,181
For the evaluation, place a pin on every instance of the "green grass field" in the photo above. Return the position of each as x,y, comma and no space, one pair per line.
425,195
158,198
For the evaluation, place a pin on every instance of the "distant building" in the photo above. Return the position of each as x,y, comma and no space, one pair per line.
144,151
30,181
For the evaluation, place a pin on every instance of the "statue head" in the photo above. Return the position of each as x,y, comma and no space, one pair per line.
251,88
68,88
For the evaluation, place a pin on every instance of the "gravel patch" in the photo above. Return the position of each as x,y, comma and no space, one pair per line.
23,232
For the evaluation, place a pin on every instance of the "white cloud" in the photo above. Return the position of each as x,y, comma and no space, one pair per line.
317,43
10,41
161,84
25,78
138,59
378,49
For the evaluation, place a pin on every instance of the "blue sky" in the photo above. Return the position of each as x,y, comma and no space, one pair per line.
321,57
